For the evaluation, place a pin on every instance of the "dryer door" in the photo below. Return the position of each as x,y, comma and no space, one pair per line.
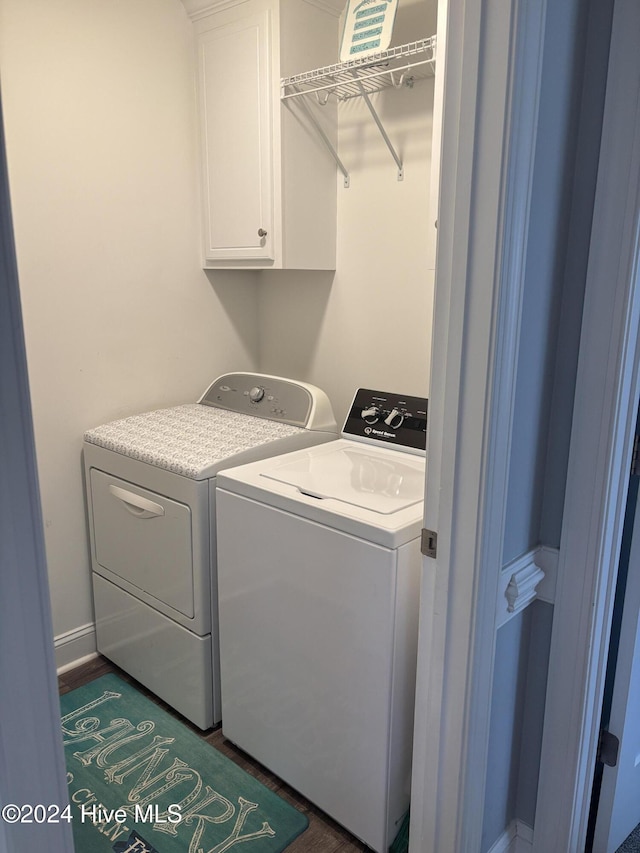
145,539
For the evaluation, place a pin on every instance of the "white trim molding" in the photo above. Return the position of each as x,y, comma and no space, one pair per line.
547,559
197,9
75,647
517,838
328,7
524,580
521,589
517,587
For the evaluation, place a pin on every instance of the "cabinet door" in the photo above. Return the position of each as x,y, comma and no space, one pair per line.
235,113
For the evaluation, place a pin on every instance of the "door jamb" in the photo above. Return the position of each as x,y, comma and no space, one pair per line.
492,80
32,767
607,389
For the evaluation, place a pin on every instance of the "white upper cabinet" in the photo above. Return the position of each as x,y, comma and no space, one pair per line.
268,186
237,173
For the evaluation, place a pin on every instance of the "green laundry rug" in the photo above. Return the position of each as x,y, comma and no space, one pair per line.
141,782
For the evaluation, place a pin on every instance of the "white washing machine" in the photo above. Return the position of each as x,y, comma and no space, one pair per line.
318,570
150,483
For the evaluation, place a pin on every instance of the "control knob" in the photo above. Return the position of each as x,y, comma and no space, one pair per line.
371,415
394,419
256,394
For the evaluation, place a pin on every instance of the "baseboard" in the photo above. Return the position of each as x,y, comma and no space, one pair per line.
75,647
524,837
517,838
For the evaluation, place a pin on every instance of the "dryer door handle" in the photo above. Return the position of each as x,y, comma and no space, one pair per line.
136,504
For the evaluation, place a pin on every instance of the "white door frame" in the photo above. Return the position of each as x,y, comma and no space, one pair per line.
494,48
607,389
32,768
618,810
492,74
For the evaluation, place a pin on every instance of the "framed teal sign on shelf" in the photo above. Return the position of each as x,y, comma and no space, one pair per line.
368,26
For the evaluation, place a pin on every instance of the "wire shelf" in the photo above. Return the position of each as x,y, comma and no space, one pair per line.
396,67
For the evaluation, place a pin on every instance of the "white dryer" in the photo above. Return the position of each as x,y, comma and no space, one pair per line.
150,483
318,570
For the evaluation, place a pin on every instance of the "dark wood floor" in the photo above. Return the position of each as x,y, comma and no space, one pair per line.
323,834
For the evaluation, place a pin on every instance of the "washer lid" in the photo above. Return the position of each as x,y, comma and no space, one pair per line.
372,479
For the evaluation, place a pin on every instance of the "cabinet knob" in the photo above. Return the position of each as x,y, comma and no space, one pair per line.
262,232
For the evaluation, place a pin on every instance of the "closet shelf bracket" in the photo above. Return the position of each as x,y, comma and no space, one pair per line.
331,148
383,132
359,78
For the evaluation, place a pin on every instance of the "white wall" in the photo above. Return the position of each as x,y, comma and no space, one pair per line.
100,121
99,112
369,324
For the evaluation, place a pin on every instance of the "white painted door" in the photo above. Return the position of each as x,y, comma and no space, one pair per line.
619,805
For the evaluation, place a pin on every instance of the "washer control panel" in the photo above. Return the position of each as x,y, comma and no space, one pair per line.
388,418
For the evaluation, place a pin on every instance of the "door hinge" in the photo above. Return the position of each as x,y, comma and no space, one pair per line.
608,746
635,457
429,543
